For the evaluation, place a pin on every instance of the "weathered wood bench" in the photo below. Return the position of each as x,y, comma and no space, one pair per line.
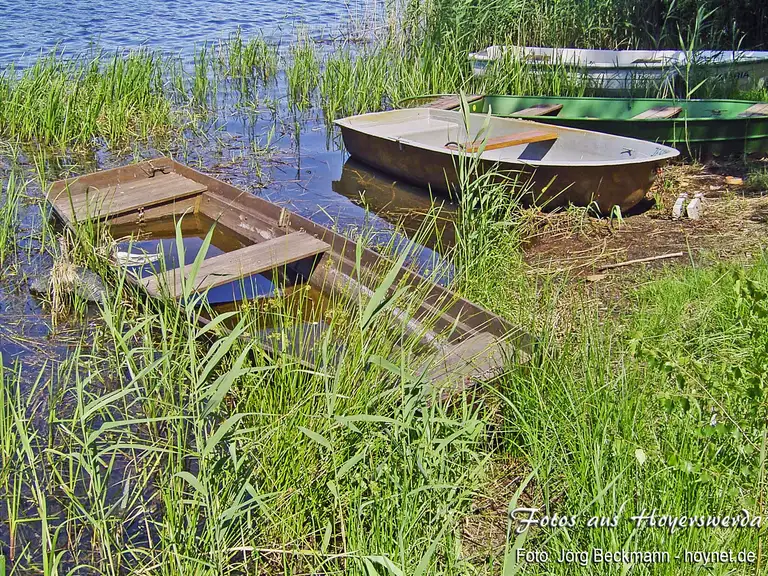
539,110
113,200
760,109
254,259
451,102
658,112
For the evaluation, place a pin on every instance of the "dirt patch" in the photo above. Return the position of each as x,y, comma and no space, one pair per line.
484,530
733,225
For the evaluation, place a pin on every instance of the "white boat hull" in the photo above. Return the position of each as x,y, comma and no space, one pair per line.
626,70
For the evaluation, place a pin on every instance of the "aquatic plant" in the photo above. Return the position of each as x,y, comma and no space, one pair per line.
248,60
73,102
302,72
12,193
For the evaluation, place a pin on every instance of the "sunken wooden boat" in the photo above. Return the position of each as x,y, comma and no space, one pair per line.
695,127
623,71
266,246
557,165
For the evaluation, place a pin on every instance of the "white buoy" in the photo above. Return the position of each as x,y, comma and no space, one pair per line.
677,209
695,207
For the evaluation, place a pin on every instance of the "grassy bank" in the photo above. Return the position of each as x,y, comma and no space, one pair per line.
164,447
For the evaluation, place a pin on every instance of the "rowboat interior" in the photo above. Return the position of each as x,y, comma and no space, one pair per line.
500,139
258,251
617,108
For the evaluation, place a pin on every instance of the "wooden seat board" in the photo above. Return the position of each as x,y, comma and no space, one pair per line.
760,109
254,259
658,112
451,102
118,199
539,110
527,137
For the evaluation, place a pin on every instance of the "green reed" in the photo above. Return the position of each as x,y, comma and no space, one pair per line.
249,59
9,215
203,89
177,446
302,72
72,102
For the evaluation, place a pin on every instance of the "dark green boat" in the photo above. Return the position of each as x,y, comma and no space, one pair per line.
695,127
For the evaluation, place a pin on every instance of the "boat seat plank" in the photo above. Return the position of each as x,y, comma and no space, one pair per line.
658,112
539,110
254,259
760,109
451,102
118,199
527,137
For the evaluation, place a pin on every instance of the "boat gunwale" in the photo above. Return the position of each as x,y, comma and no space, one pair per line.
670,101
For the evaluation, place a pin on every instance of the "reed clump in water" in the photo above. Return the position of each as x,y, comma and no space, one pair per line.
302,72
72,102
248,59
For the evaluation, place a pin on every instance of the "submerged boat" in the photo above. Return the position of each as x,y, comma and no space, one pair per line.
627,70
260,250
557,165
696,127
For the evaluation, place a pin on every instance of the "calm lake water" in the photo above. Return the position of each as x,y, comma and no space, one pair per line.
309,171
30,26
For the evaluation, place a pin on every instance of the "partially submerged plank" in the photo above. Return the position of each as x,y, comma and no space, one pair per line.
760,109
658,112
254,259
451,102
117,199
527,137
539,110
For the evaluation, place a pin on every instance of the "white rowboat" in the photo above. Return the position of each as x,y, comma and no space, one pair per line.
626,70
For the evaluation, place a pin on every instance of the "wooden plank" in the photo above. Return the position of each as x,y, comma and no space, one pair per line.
760,109
527,137
539,110
451,102
658,112
478,358
126,197
247,261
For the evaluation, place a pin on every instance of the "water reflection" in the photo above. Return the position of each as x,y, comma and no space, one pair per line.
399,203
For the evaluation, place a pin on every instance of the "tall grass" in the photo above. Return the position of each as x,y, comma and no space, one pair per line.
71,102
249,59
607,24
176,447
13,192
302,72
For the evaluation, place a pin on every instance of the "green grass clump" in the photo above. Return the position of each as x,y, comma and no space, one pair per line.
247,60
13,191
658,408
303,73
72,102
757,179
